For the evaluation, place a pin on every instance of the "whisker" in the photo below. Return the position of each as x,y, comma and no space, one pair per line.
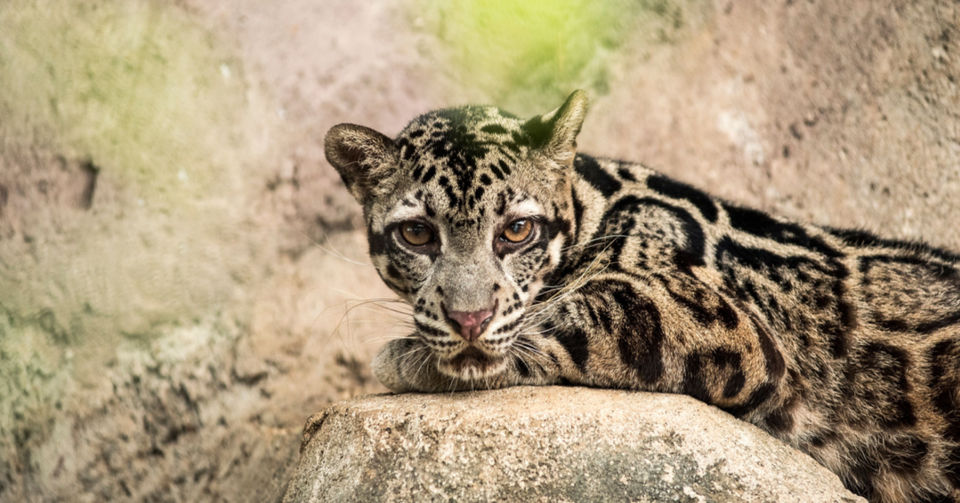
323,245
413,351
387,306
542,309
591,242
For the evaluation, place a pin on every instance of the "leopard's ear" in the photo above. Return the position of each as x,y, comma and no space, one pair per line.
363,157
555,133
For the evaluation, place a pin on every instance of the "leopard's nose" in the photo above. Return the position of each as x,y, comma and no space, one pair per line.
470,324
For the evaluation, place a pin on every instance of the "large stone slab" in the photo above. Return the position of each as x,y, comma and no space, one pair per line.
547,444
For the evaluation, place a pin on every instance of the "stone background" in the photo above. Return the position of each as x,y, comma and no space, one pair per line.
181,278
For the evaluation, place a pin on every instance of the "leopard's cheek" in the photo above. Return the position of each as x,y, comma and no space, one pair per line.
524,268
528,267
404,272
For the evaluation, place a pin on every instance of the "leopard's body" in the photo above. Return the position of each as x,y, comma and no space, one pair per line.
842,344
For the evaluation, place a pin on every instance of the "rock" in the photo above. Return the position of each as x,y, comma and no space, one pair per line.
547,444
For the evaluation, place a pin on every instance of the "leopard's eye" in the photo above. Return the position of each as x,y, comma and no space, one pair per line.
518,230
416,233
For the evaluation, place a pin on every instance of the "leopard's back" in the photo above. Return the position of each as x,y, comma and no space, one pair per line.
859,336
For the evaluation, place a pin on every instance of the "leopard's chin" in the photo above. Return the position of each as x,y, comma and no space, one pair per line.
472,364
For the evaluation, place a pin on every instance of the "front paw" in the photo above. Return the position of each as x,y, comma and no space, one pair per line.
387,365
408,364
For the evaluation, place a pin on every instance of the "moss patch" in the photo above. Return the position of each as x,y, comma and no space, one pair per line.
527,56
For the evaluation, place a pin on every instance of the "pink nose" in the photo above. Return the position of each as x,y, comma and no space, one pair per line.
470,324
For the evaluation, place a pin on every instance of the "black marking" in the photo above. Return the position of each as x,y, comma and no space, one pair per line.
577,213
694,375
677,190
452,198
501,207
775,364
590,170
555,227
640,332
734,384
863,239
393,272
496,171
592,314
944,358
494,129
429,175
574,341
507,154
522,368
428,330
759,395
780,420
763,225
626,174
694,383
822,438
508,327
377,242
692,294
560,226
406,148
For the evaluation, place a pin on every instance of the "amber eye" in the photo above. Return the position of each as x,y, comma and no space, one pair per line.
518,230
416,233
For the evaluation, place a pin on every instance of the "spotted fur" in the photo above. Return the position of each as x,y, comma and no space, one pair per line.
842,344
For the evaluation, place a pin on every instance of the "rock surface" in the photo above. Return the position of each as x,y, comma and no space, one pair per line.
547,444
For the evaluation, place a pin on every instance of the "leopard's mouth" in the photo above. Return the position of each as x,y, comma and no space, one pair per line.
471,364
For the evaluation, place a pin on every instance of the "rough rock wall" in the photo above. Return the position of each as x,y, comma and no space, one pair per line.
180,279
842,113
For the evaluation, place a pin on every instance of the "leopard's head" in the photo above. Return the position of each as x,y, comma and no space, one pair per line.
467,213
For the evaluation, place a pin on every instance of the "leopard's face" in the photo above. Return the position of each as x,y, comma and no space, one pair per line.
467,215
474,226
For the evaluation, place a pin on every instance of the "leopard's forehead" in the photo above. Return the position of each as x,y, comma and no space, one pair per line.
462,152
469,126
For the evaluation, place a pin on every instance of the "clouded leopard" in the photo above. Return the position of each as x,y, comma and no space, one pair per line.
526,262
